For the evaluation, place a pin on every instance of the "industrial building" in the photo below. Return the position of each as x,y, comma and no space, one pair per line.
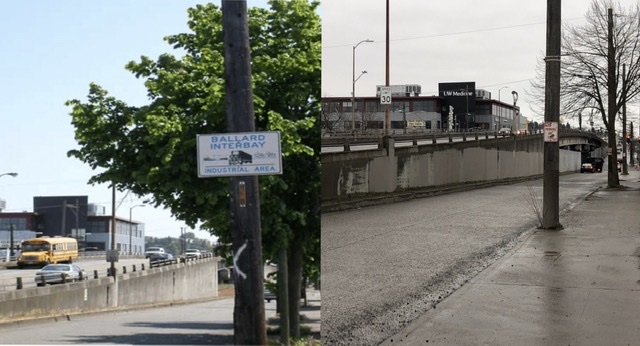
458,107
71,216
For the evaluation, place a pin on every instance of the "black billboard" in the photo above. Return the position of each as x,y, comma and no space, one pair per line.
461,96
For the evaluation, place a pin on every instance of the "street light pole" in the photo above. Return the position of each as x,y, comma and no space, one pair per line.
516,121
131,224
353,85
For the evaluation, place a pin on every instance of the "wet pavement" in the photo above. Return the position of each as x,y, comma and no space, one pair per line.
577,286
385,266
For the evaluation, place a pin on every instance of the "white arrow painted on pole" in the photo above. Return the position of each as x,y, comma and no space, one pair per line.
236,268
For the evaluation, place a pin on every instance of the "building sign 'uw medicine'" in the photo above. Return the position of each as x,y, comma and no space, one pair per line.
235,154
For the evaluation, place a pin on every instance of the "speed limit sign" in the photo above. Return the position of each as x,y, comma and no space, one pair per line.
385,95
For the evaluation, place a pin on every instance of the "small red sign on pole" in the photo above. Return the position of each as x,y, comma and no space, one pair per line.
550,131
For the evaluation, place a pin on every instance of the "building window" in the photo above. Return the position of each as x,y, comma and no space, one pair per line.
18,223
96,227
424,105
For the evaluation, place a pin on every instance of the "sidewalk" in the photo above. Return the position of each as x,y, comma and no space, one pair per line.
577,286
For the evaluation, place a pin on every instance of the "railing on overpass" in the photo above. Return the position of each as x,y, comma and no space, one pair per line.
347,140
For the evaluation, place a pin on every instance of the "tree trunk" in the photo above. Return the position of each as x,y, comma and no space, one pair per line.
296,255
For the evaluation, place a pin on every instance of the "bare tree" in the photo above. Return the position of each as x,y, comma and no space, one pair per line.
586,63
331,119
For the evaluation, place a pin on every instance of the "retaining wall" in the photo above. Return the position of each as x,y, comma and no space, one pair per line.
358,174
195,280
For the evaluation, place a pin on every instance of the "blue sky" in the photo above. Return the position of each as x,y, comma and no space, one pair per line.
51,51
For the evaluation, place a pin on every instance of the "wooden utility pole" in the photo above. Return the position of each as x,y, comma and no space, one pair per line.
387,120
551,184
613,179
248,313
625,167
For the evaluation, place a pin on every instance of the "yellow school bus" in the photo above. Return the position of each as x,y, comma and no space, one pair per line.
45,250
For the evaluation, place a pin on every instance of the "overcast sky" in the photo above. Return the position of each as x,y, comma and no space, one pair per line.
495,43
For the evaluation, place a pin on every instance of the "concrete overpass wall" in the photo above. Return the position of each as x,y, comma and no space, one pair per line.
170,284
378,172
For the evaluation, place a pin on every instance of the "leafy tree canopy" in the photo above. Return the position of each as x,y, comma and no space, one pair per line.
151,149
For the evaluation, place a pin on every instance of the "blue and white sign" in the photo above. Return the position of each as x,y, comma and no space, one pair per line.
236,154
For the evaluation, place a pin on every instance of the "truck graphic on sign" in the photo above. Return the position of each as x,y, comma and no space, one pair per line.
239,157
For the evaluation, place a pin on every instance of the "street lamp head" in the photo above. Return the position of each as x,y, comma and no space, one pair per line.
515,96
364,71
11,174
363,41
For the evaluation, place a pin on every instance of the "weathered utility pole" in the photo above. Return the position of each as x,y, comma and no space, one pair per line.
625,168
387,121
248,313
551,185
613,179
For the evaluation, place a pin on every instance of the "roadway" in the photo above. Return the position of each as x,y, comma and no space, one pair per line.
89,264
205,323
386,265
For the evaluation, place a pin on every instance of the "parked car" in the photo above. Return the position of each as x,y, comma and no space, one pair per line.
154,257
53,274
192,253
269,296
153,250
587,167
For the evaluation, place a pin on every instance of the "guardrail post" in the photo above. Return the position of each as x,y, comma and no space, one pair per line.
124,269
464,136
64,278
43,280
95,274
450,138
134,267
81,276
18,283
475,134
346,145
433,138
415,140
142,266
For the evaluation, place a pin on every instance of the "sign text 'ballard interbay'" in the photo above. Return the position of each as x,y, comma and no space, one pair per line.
235,154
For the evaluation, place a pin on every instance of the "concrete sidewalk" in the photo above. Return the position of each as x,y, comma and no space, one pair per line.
577,286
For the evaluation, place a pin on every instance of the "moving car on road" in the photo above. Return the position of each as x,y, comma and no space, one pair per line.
153,250
505,131
192,253
59,273
587,167
160,257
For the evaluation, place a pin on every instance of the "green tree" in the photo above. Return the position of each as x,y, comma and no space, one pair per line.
151,149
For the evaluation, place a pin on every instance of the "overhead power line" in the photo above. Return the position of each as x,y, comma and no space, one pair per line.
455,33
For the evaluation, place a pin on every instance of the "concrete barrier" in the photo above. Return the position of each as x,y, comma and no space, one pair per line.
351,177
183,282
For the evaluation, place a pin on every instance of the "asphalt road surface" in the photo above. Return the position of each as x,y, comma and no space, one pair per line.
384,266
